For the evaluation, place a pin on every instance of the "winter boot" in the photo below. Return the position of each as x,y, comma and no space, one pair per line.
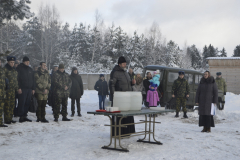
208,130
204,129
12,121
72,114
177,114
79,114
28,120
38,120
44,120
65,119
185,115
3,125
9,122
56,119
21,119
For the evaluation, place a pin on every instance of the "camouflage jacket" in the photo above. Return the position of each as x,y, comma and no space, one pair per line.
62,79
43,81
183,90
2,84
11,75
221,84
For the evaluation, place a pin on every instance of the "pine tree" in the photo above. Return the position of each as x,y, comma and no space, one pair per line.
237,51
223,53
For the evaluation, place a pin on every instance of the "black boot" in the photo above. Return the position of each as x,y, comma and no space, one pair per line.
65,119
72,114
185,115
9,122
28,120
44,120
79,114
3,125
38,120
56,119
12,121
177,114
21,119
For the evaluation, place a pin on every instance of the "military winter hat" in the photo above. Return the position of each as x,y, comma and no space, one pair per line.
25,59
219,73
181,73
121,60
74,68
101,75
11,58
61,66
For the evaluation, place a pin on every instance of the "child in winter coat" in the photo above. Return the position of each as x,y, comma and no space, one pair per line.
152,96
156,78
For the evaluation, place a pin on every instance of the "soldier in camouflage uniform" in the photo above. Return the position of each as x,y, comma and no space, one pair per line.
221,84
11,74
43,84
2,93
181,90
62,83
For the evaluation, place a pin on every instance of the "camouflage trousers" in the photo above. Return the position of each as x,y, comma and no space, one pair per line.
41,112
58,103
181,102
1,111
9,105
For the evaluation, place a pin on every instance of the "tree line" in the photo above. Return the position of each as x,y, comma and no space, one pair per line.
95,48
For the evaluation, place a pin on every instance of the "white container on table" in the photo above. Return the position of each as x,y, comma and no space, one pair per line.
122,100
136,101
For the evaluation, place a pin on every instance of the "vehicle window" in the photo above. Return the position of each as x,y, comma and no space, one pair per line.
172,76
196,79
199,78
190,79
152,72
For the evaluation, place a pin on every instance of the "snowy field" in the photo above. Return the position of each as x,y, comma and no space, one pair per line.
83,137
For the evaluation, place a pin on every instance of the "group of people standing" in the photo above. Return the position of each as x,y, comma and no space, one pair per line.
21,82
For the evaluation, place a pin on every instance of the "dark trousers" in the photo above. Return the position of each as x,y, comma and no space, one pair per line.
73,105
41,112
102,101
206,121
24,101
144,97
60,101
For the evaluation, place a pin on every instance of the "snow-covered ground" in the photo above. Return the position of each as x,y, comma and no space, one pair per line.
83,137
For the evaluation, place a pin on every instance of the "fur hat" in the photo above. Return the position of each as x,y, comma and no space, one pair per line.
101,75
25,59
181,73
121,60
219,73
61,66
11,58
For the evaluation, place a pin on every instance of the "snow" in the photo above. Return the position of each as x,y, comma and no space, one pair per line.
83,137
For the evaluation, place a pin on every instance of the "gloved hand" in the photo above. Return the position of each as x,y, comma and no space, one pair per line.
158,103
147,104
224,93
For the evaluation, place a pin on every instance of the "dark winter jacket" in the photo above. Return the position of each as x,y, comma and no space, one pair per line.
180,88
62,79
102,87
2,84
146,85
119,80
207,93
11,75
77,86
25,77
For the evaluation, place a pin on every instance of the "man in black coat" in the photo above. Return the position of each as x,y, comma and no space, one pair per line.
102,87
120,81
52,95
146,85
76,91
26,89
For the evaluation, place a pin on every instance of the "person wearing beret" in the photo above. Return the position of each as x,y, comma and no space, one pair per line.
26,88
11,75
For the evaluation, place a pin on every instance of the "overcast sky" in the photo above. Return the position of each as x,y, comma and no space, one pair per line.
199,22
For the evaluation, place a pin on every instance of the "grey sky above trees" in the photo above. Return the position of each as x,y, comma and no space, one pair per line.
199,22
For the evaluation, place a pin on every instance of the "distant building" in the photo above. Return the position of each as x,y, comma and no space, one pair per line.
230,68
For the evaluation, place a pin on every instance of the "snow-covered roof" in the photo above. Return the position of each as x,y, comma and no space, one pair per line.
223,58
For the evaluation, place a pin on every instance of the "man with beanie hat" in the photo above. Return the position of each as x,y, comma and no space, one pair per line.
102,87
11,75
26,88
120,81
221,84
62,82
181,90
76,91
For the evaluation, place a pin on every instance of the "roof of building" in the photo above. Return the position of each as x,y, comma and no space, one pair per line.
222,58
